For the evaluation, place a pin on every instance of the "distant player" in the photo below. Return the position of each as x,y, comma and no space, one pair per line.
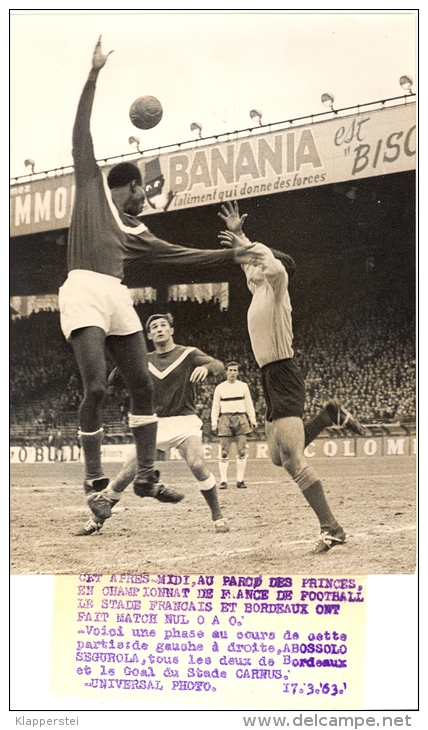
271,335
96,308
233,417
174,369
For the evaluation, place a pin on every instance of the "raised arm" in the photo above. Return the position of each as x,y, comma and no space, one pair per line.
246,252
257,261
157,251
83,150
242,246
230,215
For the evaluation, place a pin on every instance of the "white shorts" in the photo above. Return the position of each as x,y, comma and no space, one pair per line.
90,299
174,430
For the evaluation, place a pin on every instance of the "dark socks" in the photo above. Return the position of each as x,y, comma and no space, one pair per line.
315,496
211,498
91,446
145,442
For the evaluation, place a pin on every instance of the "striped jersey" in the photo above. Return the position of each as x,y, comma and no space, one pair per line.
232,398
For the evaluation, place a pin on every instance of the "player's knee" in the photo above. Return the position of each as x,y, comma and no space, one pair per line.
95,391
199,470
242,453
276,459
292,465
143,384
142,392
224,453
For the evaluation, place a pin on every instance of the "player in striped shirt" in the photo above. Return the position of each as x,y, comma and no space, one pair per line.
233,417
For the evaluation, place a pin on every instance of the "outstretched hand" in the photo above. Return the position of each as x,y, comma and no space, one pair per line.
99,58
199,374
232,240
230,214
244,250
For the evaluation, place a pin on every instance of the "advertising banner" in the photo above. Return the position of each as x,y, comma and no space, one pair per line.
320,448
362,145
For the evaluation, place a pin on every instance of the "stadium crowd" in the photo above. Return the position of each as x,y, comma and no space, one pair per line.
364,355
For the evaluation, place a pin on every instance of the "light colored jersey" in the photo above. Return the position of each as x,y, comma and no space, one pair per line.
232,398
269,314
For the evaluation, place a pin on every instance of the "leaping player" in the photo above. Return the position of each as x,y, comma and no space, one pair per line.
96,309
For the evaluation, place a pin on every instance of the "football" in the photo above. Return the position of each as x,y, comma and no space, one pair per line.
146,112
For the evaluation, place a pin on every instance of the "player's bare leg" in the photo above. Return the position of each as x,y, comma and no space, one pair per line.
124,477
89,349
285,438
191,450
130,355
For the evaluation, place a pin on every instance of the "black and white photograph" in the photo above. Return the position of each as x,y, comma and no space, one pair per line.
213,288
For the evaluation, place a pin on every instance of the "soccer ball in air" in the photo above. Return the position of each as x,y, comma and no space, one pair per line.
145,112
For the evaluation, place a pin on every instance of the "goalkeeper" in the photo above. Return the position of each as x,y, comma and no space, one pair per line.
271,335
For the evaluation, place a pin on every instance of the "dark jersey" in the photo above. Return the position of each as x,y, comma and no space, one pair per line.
175,395
100,238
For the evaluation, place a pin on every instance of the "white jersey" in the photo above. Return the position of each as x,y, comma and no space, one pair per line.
232,398
269,314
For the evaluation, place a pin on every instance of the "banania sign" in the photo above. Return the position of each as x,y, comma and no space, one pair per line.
344,148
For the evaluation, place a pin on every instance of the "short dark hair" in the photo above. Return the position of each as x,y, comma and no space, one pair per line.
232,363
287,262
168,316
122,174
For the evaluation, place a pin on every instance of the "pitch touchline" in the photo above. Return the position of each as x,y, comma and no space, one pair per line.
380,528
258,482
